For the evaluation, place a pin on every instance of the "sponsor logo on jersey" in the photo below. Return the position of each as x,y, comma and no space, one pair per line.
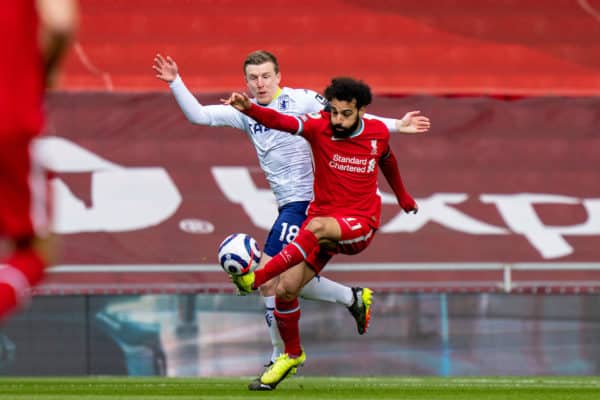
255,128
352,164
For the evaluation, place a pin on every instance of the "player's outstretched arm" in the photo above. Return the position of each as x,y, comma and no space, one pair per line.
165,68
412,123
264,116
212,115
390,170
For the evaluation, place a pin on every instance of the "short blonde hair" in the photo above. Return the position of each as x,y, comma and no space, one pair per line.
260,57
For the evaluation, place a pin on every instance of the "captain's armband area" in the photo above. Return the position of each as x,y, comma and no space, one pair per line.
386,154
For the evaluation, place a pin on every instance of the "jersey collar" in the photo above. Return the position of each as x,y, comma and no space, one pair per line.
277,94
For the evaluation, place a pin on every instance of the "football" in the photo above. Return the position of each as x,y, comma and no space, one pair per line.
239,254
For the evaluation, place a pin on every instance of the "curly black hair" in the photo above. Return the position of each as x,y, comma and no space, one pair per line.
347,89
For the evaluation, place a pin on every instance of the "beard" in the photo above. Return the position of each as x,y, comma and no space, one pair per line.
340,132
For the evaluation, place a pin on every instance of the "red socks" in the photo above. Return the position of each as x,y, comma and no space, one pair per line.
287,314
292,254
17,275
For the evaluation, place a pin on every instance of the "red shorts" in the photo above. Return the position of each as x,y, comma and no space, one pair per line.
357,233
24,206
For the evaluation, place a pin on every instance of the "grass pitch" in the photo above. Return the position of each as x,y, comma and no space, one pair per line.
480,388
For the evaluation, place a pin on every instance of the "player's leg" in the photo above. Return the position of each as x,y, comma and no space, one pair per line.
350,233
356,299
284,230
267,291
355,235
324,289
24,220
287,306
317,232
287,315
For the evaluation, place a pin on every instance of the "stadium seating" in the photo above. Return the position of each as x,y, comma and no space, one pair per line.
400,47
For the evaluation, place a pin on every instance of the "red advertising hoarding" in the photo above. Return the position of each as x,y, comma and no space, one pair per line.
143,197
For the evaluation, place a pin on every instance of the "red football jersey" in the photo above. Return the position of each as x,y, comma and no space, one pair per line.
21,70
345,169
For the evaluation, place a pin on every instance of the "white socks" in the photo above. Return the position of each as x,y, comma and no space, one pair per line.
323,289
276,341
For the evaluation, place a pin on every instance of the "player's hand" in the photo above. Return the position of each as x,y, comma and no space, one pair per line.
413,122
408,204
240,101
165,68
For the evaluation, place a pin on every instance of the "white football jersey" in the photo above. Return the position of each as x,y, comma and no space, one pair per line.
285,159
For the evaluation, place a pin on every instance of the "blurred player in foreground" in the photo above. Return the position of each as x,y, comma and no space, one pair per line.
345,212
36,35
287,163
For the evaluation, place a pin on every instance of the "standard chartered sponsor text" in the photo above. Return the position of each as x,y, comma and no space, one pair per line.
349,164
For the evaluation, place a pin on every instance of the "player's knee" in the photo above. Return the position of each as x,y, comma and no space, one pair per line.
317,226
267,289
286,292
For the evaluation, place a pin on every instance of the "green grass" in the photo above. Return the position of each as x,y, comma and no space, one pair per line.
480,388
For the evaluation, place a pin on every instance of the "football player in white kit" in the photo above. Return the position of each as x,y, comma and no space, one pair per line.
287,163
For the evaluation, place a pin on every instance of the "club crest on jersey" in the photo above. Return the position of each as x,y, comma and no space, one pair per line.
283,102
373,147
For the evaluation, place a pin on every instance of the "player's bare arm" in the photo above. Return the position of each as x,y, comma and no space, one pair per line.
165,68
413,122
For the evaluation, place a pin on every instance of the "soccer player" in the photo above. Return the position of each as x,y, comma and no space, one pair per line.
35,35
345,212
287,163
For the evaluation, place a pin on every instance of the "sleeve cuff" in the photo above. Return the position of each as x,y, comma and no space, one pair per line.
176,82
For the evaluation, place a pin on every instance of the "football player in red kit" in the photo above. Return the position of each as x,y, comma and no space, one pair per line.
348,151
35,34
